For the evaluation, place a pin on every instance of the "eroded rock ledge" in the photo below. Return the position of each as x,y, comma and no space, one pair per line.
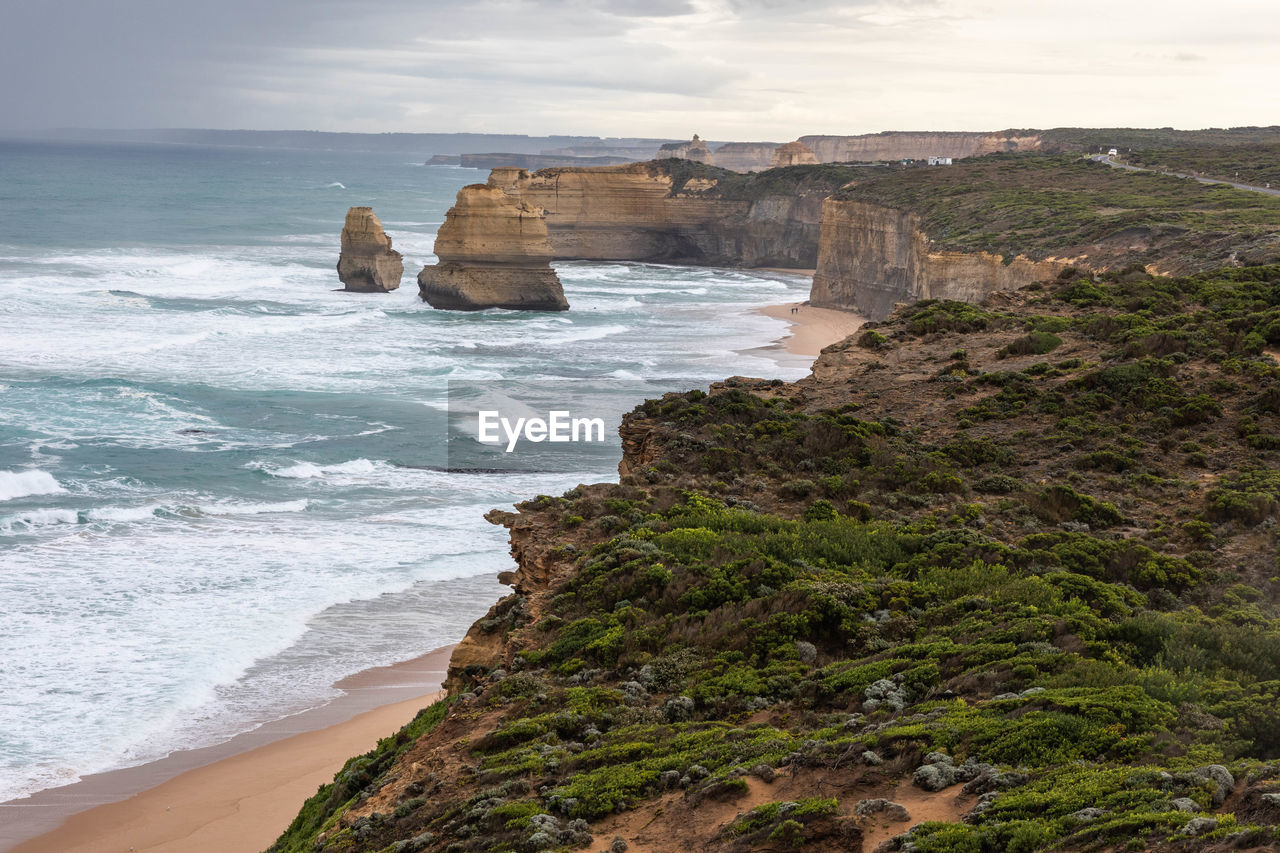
871,257
494,253
368,264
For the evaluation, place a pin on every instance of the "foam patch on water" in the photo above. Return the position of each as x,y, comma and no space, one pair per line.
311,471
21,484
241,507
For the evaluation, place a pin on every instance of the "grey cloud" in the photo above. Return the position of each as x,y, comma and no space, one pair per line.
750,68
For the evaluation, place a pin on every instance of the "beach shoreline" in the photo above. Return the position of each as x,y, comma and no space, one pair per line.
236,796
812,328
241,794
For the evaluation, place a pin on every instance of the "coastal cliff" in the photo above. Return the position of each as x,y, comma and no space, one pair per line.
1006,220
746,156
493,253
899,145
872,257
675,211
368,264
929,596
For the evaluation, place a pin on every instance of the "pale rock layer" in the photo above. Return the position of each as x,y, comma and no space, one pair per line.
898,145
368,264
793,154
871,257
494,253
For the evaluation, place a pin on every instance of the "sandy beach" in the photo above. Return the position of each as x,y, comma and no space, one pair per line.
233,798
813,328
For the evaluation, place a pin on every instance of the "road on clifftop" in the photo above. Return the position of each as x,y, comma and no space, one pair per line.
1106,158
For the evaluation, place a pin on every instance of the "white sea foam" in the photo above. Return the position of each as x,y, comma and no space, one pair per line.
311,471
35,518
168,600
21,484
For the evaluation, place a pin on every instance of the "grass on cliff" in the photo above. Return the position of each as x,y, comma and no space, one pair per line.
1093,139
1069,598
787,181
1042,206
1256,164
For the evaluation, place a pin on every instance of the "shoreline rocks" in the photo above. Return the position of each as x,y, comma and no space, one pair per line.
368,264
494,253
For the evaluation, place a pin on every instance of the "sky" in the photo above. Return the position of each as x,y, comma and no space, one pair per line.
727,69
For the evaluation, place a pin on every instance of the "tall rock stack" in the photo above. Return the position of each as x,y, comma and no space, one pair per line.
494,253
793,154
368,264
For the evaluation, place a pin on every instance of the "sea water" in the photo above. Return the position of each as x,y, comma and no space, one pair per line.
218,495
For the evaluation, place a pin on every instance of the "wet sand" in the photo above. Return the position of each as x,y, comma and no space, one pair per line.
236,797
813,328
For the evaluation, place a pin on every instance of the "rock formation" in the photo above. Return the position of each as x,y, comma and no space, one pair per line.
871,257
746,156
895,145
368,264
793,154
637,213
494,253
695,149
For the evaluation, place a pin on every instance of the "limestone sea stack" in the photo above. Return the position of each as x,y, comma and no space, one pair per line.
368,264
494,253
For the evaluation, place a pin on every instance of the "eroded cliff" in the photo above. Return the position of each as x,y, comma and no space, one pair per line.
929,596
871,257
898,145
494,253
1003,221
680,212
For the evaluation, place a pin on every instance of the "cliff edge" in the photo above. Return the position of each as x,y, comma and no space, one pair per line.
1006,220
995,576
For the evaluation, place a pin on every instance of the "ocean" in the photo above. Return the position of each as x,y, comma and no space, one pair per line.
219,488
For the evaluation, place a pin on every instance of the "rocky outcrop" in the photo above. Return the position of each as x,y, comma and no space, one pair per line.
695,149
368,264
746,156
494,253
898,145
793,154
644,212
871,257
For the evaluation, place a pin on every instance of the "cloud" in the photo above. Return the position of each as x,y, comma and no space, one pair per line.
744,69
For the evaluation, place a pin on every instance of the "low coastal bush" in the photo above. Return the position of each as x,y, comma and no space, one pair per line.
1051,606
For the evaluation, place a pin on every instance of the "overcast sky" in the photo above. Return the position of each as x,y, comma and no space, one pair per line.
728,69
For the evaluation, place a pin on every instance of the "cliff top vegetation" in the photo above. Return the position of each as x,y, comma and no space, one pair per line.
789,181
1065,206
1090,139
1256,164
1011,567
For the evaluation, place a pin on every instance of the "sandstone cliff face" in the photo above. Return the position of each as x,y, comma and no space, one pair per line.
892,145
871,257
630,213
746,156
793,154
493,253
368,264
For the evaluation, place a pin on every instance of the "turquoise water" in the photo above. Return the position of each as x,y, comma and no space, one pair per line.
219,477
